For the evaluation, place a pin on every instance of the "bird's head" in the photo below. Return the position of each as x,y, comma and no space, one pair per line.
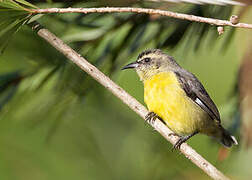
152,62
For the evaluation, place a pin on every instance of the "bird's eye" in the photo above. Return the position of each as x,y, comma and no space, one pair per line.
147,60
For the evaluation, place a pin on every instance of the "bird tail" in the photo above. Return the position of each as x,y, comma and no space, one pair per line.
226,139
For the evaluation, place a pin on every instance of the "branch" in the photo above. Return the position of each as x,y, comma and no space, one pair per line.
211,21
127,99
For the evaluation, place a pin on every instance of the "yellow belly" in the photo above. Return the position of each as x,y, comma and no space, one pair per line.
164,96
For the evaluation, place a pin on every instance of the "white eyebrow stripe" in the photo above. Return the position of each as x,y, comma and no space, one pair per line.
139,60
142,58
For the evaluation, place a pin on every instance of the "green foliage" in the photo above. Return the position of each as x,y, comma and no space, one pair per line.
16,4
9,83
13,15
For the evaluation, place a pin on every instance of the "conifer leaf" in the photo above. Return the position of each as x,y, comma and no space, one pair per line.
26,4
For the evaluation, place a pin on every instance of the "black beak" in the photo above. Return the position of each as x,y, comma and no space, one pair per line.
131,65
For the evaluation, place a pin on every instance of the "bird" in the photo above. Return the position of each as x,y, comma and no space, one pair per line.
176,97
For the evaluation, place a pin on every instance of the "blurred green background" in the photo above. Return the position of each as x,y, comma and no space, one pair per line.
58,123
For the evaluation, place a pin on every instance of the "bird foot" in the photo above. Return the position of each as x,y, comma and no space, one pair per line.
179,143
151,117
182,140
174,134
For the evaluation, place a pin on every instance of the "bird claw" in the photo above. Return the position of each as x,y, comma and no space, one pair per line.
178,144
173,134
151,117
182,140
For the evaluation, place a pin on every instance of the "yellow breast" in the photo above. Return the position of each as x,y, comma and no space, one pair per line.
164,96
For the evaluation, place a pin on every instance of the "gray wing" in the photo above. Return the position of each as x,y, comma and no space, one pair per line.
195,90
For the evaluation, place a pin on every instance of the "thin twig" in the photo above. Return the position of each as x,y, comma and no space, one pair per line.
127,99
188,17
